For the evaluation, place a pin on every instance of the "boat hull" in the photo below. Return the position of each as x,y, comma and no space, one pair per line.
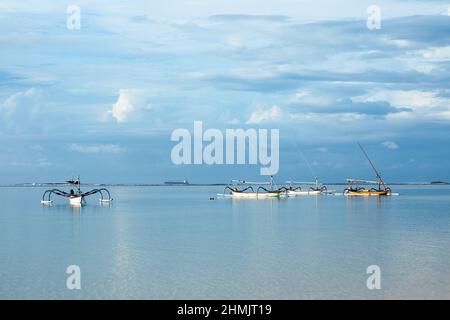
293,193
77,201
368,193
255,195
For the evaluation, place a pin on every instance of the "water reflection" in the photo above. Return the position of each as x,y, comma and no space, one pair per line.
159,244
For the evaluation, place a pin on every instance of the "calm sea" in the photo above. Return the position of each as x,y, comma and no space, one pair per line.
173,242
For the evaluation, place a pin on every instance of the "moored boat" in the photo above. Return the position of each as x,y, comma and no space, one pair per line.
295,188
248,191
77,200
355,189
76,197
355,186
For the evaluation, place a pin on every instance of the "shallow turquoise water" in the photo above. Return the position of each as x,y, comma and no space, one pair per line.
173,242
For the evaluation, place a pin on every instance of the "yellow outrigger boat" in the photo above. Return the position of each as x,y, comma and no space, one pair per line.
354,188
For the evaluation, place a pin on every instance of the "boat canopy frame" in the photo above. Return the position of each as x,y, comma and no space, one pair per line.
233,186
316,185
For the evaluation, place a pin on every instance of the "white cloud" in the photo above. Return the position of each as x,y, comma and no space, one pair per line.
425,104
22,111
259,116
390,145
123,106
129,103
306,97
301,94
420,66
233,41
414,99
101,148
39,163
401,43
437,54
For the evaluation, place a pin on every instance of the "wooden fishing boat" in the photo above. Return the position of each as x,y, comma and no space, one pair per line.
241,189
357,187
76,197
295,188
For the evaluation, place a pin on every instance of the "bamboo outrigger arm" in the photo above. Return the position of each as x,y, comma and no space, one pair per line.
76,197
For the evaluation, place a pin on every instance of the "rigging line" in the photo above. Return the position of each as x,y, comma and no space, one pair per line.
371,164
304,159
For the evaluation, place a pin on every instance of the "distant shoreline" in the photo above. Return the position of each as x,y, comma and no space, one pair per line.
53,184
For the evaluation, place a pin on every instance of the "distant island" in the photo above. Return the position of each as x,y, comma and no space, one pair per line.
439,182
187,183
177,183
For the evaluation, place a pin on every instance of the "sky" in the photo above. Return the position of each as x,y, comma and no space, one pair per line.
102,101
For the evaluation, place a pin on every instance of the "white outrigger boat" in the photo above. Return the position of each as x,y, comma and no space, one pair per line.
76,197
248,191
315,188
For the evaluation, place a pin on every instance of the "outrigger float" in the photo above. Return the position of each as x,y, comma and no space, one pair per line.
76,197
295,188
242,189
355,186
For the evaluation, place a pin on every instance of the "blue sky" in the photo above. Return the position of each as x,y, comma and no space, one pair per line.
102,101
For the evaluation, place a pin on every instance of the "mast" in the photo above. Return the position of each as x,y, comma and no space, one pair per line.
272,183
372,165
